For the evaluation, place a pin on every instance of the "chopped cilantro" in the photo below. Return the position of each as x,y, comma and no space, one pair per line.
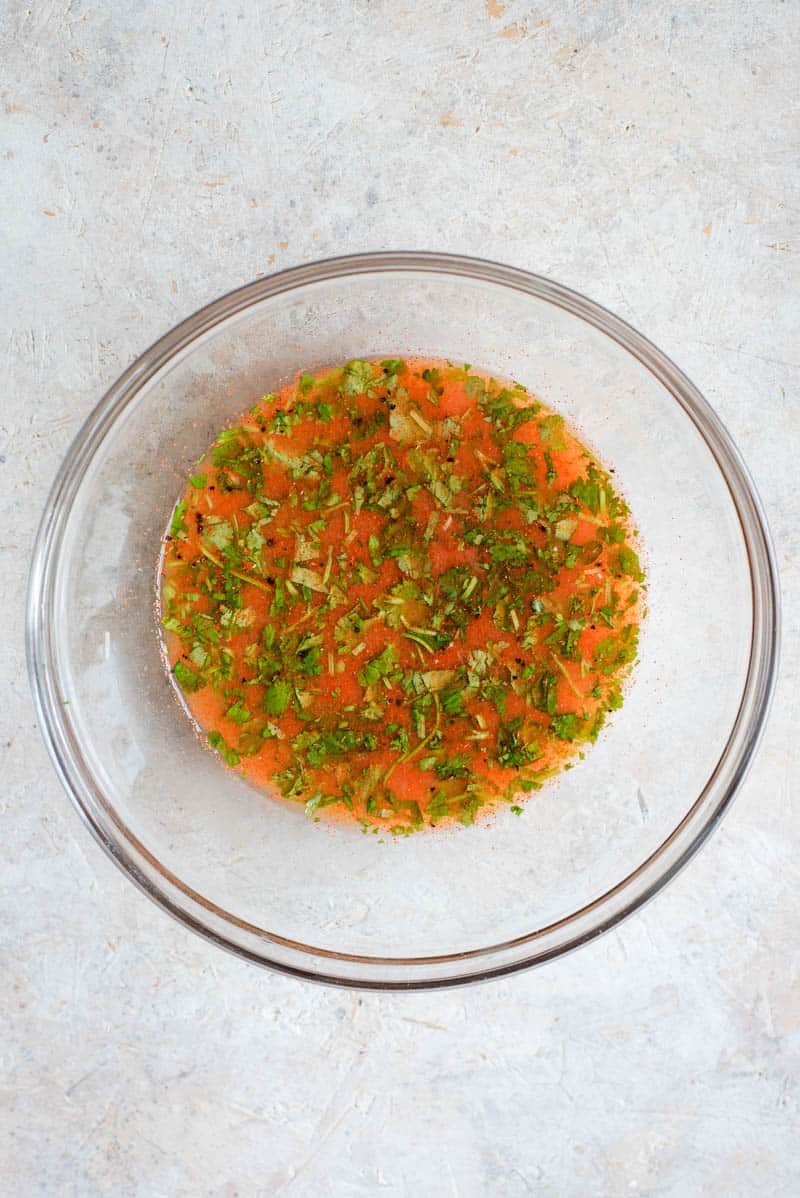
587,490
551,430
379,666
217,741
177,527
566,727
238,712
457,766
188,679
358,378
277,697
394,604
628,563
512,751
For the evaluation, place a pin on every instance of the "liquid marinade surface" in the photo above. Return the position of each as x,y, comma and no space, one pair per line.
400,591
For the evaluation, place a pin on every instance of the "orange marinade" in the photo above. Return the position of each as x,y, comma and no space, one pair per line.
401,592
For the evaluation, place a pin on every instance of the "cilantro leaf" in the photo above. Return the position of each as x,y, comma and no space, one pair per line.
188,679
378,667
277,697
567,726
177,527
358,378
628,563
457,766
512,751
218,742
238,712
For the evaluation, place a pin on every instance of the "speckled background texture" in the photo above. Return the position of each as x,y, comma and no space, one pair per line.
155,155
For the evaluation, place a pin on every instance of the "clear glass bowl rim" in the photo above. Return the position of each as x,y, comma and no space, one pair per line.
394,973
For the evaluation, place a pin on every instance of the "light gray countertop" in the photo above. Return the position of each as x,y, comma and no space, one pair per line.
157,155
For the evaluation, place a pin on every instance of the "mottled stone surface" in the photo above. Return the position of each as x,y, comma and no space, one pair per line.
156,155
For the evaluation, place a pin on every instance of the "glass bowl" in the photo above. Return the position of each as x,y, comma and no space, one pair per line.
453,905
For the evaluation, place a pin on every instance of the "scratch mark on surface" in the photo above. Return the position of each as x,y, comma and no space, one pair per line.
248,1115
97,1125
267,99
64,15
315,1150
159,157
91,1072
744,353
612,273
645,810
438,1027
769,1022
326,136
